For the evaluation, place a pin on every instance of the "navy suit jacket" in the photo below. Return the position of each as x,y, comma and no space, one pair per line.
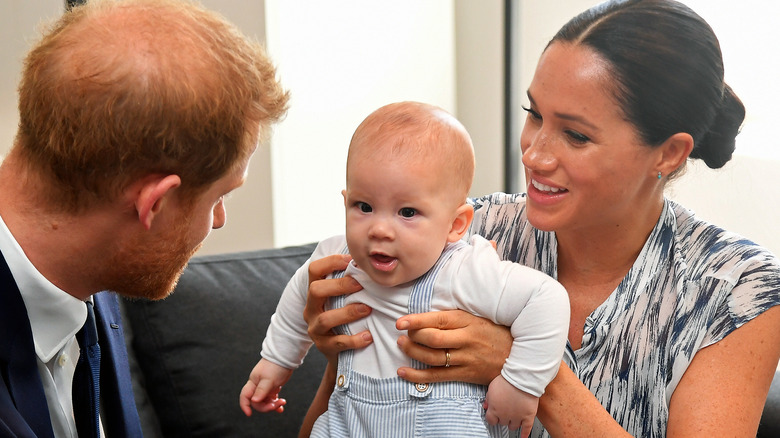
23,408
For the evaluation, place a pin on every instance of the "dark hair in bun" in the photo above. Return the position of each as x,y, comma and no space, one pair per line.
668,71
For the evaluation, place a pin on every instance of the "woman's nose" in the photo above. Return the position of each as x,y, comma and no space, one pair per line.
538,151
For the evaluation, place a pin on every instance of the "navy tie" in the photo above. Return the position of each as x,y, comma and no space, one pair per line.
86,380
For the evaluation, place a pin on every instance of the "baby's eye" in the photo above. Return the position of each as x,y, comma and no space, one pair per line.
407,212
365,208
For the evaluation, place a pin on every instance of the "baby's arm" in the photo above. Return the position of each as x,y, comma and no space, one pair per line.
509,406
261,391
537,309
287,340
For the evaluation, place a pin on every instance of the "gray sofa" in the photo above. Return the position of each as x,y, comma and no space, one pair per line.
193,351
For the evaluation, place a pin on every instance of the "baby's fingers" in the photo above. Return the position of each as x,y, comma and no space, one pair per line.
265,390
270,405
244,399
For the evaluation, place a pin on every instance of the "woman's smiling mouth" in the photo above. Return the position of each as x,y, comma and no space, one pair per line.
545,188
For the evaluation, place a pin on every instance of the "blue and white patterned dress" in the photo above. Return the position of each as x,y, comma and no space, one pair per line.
692,284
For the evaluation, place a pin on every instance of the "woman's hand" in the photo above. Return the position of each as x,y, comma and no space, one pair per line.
477,347
322,322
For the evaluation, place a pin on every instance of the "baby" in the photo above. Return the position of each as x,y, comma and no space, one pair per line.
409,170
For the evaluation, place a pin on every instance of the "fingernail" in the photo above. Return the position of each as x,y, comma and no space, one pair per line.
363,309
367,337
403,325
401,373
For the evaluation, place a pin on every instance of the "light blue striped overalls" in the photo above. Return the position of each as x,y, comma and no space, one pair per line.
364,406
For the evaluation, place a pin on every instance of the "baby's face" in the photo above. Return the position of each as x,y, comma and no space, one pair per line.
399,215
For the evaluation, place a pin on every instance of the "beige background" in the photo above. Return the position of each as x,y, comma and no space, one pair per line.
342,59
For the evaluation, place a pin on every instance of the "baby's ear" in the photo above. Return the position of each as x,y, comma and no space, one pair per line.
460,225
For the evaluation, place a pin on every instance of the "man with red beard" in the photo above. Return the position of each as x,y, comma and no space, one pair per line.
136,119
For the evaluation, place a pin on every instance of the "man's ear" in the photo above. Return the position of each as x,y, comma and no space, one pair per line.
674,151
152,195
460,225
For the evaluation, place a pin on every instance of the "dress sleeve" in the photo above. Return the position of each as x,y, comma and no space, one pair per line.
752,287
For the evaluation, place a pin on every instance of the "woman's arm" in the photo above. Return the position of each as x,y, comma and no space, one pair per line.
568,409
726,385
320,402
724,388
321,324
478,349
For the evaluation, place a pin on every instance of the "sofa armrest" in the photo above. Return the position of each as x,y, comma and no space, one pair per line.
195,349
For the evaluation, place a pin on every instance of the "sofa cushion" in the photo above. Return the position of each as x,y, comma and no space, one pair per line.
196,348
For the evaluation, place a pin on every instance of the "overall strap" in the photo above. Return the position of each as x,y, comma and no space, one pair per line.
420,302
345,357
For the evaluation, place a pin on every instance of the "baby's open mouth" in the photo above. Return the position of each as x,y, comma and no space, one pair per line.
383,262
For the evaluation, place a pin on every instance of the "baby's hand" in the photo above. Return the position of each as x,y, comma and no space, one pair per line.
509,406
261,391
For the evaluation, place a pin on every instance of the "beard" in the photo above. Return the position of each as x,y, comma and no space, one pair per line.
150,270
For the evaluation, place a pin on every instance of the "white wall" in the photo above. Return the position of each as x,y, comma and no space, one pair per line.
19,22
249,219
342,59
740,197
479,53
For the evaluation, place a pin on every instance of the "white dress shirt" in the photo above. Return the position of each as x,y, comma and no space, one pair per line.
55,317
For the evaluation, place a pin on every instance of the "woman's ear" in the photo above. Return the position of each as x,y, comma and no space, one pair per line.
460,225
151,196
674,151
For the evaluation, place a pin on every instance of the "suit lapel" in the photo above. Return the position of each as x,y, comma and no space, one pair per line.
23,407
120,416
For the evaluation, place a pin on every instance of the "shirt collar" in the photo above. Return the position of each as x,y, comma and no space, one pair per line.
55,316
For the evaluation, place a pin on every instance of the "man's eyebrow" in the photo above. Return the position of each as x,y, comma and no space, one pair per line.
565,116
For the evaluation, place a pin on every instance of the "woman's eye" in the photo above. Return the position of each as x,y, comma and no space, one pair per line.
365,208
407,212
577,137
532,113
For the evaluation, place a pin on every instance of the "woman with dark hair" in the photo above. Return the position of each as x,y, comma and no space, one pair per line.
674,321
